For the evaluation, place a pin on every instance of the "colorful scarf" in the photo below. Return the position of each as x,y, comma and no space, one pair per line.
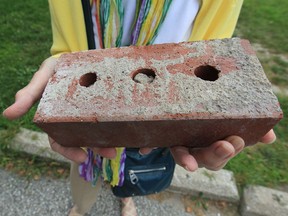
148,18
109,22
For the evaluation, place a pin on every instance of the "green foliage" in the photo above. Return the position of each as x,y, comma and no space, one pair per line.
265,22
32,166
280,71
200,202
25,40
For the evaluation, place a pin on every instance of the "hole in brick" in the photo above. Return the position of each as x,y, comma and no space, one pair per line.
207,72
144,75
88,79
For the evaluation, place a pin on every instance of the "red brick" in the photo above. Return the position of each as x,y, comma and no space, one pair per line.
195,94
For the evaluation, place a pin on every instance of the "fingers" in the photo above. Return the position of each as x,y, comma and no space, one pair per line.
23,102
213,157
105,152
219,153
237,143
26,97
269,138
145,151
183,158
77,155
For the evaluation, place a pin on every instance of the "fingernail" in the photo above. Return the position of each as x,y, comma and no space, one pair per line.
191,168
145,151
272,141
269,138
237,143
188,169
223,151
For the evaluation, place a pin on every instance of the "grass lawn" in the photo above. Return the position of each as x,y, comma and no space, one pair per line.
265,22
25,41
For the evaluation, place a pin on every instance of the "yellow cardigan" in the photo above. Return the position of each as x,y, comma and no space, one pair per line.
216,19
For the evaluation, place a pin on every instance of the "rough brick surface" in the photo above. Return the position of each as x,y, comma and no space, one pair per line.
160,95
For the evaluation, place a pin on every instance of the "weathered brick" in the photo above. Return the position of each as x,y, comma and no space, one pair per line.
190,93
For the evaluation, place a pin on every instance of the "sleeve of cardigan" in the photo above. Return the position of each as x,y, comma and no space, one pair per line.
216,19
68,27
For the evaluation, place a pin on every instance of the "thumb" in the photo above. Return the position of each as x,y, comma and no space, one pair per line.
23,102
26,97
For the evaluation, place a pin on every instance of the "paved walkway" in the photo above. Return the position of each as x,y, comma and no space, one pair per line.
19,196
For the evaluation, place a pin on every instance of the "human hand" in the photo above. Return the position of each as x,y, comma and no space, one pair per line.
79,155
215,156
25,99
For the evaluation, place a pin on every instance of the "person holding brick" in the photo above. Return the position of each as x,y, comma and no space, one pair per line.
83,25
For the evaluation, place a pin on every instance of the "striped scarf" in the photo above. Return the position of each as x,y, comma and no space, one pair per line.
109,15
148,18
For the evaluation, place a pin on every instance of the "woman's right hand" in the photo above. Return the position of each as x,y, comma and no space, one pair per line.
26,97
30,94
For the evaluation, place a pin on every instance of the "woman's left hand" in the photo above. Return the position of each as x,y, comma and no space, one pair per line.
215,156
